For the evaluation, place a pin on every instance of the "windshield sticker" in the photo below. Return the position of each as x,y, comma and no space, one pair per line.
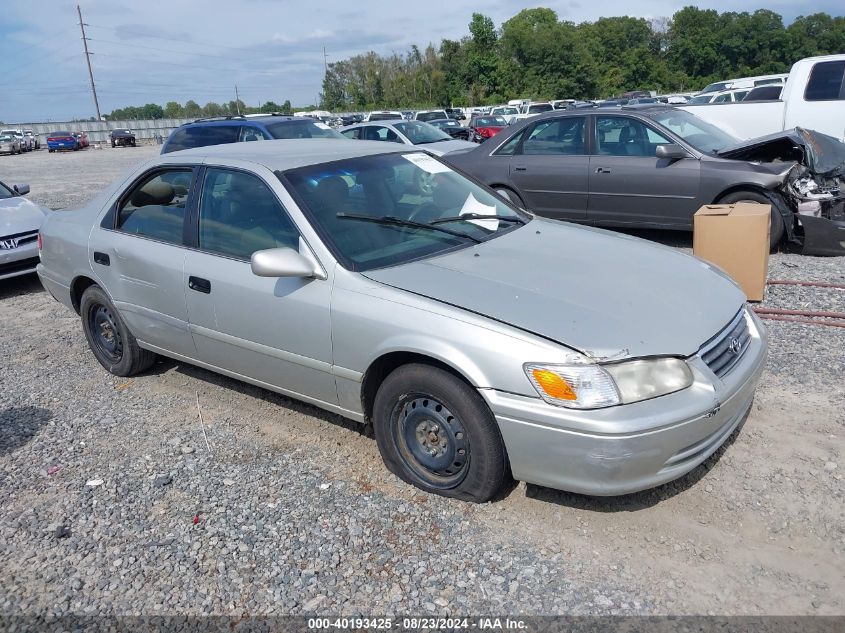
426,163
474,207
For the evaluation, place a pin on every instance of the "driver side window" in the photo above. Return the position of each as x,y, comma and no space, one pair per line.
239,214
624,136
156,207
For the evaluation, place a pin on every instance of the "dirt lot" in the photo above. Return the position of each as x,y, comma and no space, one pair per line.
291,511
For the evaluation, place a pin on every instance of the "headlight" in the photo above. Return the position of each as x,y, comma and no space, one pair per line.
581,384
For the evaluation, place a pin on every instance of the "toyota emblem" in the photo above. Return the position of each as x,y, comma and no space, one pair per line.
735,346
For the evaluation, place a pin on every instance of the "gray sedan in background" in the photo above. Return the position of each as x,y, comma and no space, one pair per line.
643,167
481,342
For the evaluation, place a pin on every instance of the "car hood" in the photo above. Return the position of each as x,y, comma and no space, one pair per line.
19,215
444,147
605,295
821,154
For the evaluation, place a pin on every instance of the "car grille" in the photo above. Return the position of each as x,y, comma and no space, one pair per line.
725,349
15,240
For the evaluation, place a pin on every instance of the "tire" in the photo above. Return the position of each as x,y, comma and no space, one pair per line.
50,151
110,340
421,409
113,144
753,197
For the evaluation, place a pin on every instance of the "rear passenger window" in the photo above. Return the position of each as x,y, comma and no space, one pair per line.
251,134
202,136
240,214
557,136
156,207
827,82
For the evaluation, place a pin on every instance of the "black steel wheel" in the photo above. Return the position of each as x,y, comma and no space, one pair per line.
435,432
106,333
110,340
432,441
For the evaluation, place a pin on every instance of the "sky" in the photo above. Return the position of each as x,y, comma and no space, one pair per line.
153,51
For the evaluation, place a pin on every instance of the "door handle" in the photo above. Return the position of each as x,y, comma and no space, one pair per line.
520,168
603,170
101,258
199,284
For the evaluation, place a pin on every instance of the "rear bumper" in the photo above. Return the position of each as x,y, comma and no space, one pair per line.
57,289
624,449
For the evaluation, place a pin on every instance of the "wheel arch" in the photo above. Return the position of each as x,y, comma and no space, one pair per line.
78,286
777,199
381,367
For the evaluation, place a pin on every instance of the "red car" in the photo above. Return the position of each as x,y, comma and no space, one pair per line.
81,138
485,126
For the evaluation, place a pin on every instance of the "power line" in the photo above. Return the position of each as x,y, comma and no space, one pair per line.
88,61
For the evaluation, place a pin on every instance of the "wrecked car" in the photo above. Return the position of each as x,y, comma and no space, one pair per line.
479,341
814,187
655,166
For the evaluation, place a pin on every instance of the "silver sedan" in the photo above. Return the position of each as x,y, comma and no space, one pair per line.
481,342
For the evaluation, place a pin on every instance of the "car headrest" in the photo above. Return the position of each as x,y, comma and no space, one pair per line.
154,192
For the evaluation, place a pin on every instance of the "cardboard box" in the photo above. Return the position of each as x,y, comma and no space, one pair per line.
735,237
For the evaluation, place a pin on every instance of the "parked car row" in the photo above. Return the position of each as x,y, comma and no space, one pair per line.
14,141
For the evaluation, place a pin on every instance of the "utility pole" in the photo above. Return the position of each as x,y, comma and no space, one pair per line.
88,61
325,61
237,100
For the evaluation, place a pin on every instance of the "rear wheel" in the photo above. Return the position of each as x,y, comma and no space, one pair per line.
110,340
753,197
435,432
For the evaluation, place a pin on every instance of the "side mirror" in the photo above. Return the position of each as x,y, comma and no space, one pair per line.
21,190
282,262
672,151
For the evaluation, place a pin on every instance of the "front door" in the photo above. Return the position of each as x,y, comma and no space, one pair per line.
629,185
274,330
549,168
138,255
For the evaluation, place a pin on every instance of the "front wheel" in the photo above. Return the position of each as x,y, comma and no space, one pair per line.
434,431
753,197
110,340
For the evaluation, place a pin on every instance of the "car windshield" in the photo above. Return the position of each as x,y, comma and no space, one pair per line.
716,87
60,134
700,134
450,123
420,133
507,111
391,189
701,99
302,129
5,192
490,121
539,107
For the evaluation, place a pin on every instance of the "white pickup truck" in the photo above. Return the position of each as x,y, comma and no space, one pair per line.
813,97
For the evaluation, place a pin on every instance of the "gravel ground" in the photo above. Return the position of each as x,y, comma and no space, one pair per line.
115,504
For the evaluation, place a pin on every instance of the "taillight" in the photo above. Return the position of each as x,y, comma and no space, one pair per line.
40,242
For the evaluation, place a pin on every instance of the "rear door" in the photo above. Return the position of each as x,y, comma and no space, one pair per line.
274,330
549,168
137,254
629,185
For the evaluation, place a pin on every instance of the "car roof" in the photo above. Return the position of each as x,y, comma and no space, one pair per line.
284,154
240,120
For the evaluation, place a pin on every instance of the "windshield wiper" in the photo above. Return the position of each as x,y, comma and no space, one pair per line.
434,140
478,216
394,221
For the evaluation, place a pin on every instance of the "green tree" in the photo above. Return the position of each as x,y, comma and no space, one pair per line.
192,109
173,110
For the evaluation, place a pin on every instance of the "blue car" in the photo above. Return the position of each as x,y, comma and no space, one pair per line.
62,140
234,129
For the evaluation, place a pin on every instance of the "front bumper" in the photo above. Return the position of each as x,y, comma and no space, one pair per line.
624,449
18,261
